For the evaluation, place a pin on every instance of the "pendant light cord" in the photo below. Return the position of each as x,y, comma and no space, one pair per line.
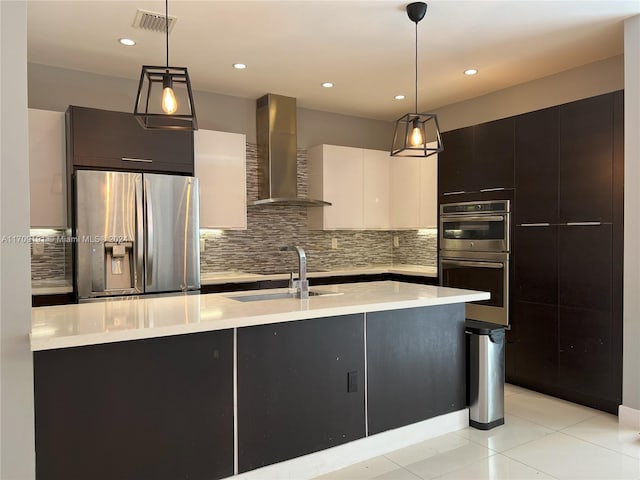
166,28
416,68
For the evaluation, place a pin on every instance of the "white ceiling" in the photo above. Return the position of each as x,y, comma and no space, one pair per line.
365,47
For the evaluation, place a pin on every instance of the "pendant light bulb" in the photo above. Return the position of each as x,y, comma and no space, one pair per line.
169,102
416,134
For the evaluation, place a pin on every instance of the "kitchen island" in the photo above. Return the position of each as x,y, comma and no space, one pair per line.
208,386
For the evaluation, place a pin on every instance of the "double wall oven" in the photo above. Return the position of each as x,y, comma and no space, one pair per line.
474,254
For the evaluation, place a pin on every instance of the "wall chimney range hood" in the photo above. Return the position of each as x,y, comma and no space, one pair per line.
277,159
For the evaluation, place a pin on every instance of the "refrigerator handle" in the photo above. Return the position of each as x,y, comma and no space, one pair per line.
149,240
139,243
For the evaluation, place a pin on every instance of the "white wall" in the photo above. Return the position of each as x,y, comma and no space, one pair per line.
53,88
16,388
581,82
631,309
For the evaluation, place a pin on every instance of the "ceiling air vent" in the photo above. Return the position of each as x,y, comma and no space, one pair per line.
152,21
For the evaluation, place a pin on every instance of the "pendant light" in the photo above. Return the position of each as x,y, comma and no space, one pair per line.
413,130
165,99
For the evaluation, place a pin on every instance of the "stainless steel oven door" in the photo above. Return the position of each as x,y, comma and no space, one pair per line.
475,233
488,272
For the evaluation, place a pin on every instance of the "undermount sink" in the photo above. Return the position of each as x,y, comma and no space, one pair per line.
280,295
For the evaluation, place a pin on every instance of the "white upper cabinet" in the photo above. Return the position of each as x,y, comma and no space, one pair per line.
376,190
428,212
414,192
47,169
220,165
335,175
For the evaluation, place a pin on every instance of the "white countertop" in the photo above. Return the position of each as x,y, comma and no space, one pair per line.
117,320
231,276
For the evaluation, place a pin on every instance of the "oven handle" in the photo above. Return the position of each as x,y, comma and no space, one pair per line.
474,218
465,263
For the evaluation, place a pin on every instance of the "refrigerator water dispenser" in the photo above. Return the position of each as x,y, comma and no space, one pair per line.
118,258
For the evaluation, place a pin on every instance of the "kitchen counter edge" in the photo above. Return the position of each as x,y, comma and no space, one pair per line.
95,323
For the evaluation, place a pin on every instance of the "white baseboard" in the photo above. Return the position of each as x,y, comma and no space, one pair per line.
629,416
325,461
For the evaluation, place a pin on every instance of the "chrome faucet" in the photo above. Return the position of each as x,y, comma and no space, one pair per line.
302,284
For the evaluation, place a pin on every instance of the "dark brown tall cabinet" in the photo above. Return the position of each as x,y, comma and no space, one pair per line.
566,336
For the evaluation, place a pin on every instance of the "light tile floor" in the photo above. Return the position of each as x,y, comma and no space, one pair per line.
543,438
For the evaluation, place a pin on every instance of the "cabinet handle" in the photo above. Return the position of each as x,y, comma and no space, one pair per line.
496,189
453,193
130,159
582,224
535,224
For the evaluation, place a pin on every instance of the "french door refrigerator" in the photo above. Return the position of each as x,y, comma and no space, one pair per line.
135,233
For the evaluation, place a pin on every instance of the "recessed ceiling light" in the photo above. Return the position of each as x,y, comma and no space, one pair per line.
327,84
399,97
127,42
239,66
471,71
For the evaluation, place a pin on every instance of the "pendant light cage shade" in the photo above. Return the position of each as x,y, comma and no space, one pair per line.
417,135
151,108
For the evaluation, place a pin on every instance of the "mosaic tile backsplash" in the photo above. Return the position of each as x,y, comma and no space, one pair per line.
257,249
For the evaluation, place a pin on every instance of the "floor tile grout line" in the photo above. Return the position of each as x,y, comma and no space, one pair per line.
537,469
599,445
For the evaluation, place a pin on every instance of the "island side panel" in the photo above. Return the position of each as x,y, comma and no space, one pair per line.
147,409
416,365
293,396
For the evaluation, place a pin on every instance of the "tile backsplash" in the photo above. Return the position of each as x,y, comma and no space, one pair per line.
50,255
257,249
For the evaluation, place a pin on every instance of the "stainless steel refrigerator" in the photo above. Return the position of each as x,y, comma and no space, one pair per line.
135,233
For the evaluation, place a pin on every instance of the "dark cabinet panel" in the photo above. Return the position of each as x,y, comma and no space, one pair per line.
586,160
586,360
300,388
455,162
535,263
585,266
409,354
158,408
115,140
493,155
536,167
535,363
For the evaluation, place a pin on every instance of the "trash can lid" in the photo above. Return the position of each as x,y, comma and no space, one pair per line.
482,328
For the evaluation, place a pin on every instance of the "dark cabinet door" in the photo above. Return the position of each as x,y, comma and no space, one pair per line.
586,160
416,365
535,263
585,273
455,162
535,363
115,140
300,388
158,408
587,363
536,167
493,155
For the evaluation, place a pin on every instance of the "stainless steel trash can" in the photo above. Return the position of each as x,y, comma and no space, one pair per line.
486,374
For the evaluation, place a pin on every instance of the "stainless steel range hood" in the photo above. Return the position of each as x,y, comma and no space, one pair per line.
277,159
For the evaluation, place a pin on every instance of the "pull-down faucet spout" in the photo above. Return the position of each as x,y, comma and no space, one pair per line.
302,284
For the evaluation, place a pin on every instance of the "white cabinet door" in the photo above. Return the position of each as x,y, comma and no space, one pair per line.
47,169
335,175
220,165
428,205
405,192
376,189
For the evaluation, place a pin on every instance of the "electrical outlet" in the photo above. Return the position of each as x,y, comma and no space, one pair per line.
396,241
334,243
202,243
37,248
